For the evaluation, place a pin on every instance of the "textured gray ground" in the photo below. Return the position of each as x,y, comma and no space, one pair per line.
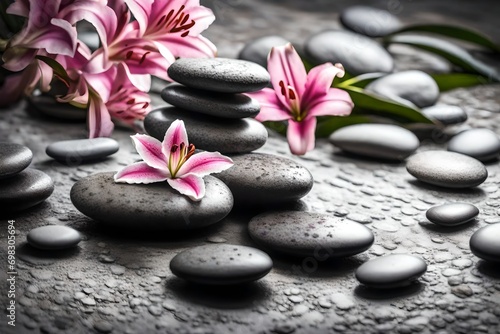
121,283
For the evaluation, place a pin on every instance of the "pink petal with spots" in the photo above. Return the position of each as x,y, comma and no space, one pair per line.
140,172
271,109
149,149
175,135
205,163
190,185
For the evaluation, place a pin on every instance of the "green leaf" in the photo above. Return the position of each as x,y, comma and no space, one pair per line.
453,53
58,69
360,81
448,81
460,33
330,124
278,126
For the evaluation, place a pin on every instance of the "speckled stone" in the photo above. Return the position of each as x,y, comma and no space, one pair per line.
53,237
80,150
209,133
259,179
310,234
47,105
485,244
149,207
383,141
482,144
215,104
452,214
25,190
391,271
356,52
369,21
257,50
415,86
446,114
221,264
447,169
14,158
219,74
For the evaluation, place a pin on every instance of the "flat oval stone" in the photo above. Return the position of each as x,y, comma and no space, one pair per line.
446,114
25,190
79,150
482,144
149,207
310,234
209,133
383,141
221,264
258,179
391,271
219,74
447,169
359,54
452,214
53,237
14,158
369,21
415,86
215,104
47,105
257,50
485,244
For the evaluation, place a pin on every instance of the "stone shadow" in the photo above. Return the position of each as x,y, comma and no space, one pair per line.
448,229
462,193
36,256
490,269
386,294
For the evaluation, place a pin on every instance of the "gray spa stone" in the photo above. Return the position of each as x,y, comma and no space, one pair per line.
149,207
14,158
219,74
452,214
382,141
215,104
310,234
81,150
359,54
221,264
485,244
48,105
258,50
447,169
209,133
391,271
53,237
369,21
482,144
446,114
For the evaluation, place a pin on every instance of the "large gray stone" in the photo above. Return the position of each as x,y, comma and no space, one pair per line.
485,244
369,21
258,50
452,214
482,144
48,105
14,158
81,150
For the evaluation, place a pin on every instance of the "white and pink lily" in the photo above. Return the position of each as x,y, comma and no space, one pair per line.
300,97
174,160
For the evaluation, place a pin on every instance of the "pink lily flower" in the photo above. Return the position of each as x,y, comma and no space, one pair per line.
174,161
300,97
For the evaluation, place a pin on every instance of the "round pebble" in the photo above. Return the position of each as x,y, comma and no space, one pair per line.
25,190
415,86
310,234
446,114
356,52
383,141
452,214
53,237
391,271
81,150
221,264
259,179
258,50
14,158
219,74
482,144
149,207
209,133
369,21
485,244
215,104
447,169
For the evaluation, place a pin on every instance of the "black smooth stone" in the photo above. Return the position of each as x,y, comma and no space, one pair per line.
221,264
446,114
53,237
359,54
219,74
14,158
310,234
215,104
80,150
207,132
452,214
25,190
49,106
369,21
149,207
258,50
485,244
391,271
482,144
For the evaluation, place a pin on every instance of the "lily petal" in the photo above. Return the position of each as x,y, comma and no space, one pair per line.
301,135
336,102
140,172
319,81
98,118
205,163
175,135
190,185
271,109
141,11
149,149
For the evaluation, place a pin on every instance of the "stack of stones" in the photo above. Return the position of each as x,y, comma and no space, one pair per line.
22,187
